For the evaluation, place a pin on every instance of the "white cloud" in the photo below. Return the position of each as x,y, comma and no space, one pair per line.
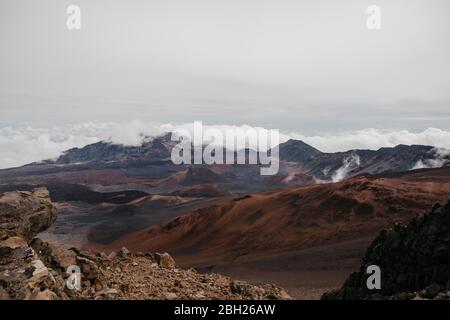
374,139
441,157
20,145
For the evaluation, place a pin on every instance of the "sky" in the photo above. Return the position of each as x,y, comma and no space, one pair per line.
311,68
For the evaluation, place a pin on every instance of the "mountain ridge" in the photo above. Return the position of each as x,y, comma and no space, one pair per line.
294,155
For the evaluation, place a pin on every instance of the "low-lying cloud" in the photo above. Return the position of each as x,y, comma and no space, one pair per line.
440,158
374,139
20,145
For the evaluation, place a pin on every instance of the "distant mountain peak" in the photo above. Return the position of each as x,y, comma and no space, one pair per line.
297,150
107,151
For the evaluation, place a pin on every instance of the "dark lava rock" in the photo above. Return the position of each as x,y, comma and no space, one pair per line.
413,257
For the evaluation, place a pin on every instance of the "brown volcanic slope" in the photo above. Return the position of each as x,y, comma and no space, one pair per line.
306,239
297,218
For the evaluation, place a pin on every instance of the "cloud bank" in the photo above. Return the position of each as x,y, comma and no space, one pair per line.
374,139
20,145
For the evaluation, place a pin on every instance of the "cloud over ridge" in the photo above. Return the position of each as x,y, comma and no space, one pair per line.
24,144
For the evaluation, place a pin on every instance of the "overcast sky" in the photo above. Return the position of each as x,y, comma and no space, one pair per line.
310,66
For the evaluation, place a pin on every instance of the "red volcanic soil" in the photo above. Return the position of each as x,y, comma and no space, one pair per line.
297,218
259,236
191,176
436,174
293,180
208,190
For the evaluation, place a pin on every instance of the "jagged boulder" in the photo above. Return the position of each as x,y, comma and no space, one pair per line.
413,258
53,255
23,275
123,252
88,267
45,295
25,214
165,260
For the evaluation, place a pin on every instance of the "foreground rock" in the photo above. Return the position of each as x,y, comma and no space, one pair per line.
23,275
142,276
25,214
414,261
165,260
33,269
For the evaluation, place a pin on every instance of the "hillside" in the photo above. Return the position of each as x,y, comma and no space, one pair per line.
305,239
35,270
290,219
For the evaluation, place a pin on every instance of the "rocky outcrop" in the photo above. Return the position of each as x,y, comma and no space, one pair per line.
25,214
414,260
23,275
165,260
33,269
